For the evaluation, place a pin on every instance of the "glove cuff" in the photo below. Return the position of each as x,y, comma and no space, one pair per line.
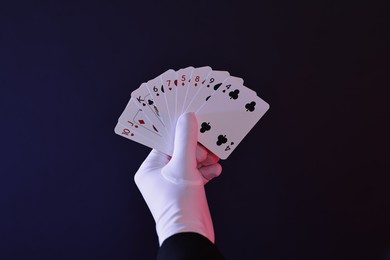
190,214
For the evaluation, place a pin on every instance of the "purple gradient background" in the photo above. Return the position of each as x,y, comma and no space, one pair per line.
310,181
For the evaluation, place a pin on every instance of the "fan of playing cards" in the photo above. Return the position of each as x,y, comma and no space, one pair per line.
226,110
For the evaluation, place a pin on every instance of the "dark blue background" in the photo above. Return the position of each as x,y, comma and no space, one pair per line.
310,181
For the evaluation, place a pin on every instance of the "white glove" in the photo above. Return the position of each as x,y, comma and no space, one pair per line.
173,188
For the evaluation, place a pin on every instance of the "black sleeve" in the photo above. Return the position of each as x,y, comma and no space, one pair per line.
188,246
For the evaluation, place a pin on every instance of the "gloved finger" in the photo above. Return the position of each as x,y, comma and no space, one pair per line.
210,172
201,153
210,159
155,160
186,136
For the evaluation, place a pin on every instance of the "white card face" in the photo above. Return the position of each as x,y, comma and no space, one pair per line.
133,135
183,79
136,121
227,117
198,78
169,81
213,81
144,101
226,110
227,83
157,92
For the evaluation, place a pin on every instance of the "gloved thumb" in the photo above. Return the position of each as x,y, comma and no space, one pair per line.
183,165
186,139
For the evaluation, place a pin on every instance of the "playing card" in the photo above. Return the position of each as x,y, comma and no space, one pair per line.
198,78
169,81
226,110
144,101
183,79
133,119
157,92
213,81
227,117
133,135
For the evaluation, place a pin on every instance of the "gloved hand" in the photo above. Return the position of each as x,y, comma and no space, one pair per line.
173,187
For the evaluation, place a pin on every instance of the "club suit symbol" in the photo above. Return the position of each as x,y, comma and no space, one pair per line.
221,140
234,94
250,106
205,127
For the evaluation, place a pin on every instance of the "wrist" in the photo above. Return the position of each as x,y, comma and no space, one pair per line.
189,214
